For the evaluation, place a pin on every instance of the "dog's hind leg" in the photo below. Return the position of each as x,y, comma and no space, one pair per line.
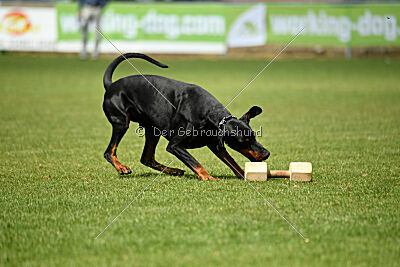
148,158
111,153
189,161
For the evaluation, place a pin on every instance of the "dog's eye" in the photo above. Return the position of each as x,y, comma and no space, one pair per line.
247,140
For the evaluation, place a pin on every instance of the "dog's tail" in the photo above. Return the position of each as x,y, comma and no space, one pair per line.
107,79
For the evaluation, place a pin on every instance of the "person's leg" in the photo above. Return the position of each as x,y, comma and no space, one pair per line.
84,27
97,18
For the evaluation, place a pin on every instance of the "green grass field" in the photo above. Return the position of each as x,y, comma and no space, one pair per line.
57,192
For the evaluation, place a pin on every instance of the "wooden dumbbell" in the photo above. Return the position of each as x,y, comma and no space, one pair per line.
298,171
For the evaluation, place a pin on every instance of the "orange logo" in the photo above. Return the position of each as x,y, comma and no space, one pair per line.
16,23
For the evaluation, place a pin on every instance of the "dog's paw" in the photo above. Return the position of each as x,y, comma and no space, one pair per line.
124,170
175,172
208,178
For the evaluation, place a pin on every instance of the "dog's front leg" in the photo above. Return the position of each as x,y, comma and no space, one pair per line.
189,161
224,156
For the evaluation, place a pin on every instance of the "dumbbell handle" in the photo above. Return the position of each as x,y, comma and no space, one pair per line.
278,174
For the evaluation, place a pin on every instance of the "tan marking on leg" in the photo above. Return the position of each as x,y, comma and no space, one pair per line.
203,174
152,163
118,165
128,119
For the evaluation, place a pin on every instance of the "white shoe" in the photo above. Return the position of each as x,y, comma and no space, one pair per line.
83,55
95,56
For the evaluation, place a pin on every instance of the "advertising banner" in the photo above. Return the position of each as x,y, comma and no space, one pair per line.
169,27
201,28
334,25
32,29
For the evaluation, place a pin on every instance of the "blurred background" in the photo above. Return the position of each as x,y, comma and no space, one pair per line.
245,28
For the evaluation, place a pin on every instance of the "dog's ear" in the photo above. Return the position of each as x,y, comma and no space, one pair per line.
254,111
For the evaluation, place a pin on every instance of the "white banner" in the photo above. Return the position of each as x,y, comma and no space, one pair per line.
28,29
161,47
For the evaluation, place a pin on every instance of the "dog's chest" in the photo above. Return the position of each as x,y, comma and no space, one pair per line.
196,141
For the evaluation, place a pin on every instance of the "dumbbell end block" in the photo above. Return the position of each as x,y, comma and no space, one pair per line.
255,171
300,171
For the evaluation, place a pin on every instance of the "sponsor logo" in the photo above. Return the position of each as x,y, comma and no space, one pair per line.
249,28
170,26
16,23
342,27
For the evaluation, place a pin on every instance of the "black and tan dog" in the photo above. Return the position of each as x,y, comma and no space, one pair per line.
187,116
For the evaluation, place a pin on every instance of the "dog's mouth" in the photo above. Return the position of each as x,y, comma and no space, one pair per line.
254,156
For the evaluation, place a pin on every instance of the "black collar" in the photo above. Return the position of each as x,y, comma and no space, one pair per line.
225,120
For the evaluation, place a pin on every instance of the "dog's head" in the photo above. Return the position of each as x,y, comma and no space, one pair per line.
239,136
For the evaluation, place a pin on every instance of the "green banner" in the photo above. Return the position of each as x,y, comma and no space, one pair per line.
170,27
211,27
335,25
202,22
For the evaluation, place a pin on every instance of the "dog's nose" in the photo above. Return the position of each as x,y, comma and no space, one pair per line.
266,155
